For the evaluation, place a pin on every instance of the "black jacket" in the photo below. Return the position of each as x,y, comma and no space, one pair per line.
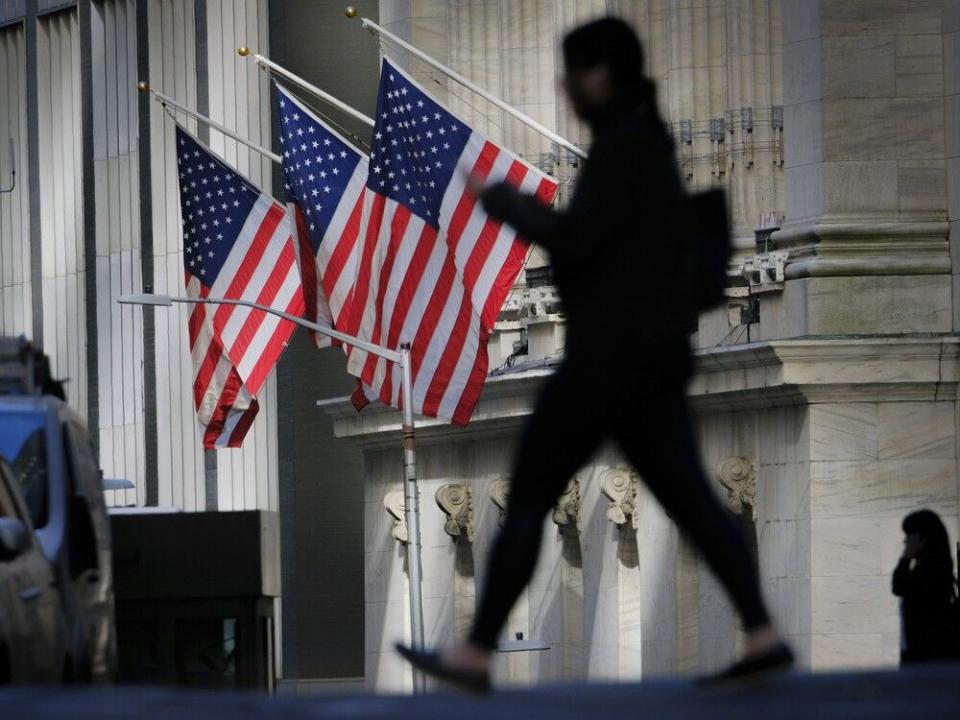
927,612
614,248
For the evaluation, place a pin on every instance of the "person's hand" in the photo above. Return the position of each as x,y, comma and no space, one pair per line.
475,185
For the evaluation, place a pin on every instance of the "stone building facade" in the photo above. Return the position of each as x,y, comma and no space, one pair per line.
826,394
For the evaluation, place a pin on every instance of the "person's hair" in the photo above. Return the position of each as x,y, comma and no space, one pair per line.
610,41
936,553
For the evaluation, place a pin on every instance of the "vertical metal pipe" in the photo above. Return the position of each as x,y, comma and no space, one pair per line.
412,505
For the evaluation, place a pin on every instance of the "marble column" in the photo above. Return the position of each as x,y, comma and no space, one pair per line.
865,167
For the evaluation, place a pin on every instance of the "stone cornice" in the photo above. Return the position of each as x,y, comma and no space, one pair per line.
505,402
879,247
793,372
755,375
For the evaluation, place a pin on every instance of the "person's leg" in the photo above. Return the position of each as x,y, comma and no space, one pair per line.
662,447
561,435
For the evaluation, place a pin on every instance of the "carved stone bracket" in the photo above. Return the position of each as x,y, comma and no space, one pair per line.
500,494
456,503
394,503
620,487
566,512
738,475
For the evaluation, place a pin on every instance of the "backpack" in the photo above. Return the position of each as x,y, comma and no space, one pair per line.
707,250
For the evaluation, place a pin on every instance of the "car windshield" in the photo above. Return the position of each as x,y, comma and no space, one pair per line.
23,444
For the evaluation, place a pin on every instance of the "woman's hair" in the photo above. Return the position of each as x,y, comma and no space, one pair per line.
936,553
611,42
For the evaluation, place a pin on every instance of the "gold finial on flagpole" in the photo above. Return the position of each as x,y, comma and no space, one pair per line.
351,12
243,51
143,86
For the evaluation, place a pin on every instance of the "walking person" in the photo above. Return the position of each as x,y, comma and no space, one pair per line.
925,583
614,251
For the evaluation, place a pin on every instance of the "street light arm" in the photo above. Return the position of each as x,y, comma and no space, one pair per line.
150,299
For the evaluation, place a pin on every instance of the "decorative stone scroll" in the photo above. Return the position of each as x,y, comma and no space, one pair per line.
566,512
456,502
738,475
500,494
619,486
394,503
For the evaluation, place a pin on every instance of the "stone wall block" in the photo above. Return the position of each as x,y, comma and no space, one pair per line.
845,547
859,66
951,63
859,604
844,431
922,186
861,187
916,430
885,488
880,17
803,76
878,304
848,651
807,198
887,128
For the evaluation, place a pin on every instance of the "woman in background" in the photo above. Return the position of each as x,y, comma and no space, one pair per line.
925,583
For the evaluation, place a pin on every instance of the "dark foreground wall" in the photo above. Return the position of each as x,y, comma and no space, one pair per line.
930,693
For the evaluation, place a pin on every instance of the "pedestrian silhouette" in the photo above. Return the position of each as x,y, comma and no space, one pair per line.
615,252
925,583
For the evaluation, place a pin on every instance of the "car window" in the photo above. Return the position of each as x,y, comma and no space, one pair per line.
23,443
8,503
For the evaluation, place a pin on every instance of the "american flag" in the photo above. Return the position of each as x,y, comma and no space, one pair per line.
236,244
433,269
324,177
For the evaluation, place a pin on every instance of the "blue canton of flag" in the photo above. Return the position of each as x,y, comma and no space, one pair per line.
215,202
317,164
416,146
324,178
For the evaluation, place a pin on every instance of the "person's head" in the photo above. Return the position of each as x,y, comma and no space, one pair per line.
926,536
603,63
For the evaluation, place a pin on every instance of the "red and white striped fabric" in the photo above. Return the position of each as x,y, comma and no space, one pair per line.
324,178
237,245
434,269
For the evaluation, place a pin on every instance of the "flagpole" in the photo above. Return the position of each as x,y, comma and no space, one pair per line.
412,507
454,75
296,79
165,101
411,488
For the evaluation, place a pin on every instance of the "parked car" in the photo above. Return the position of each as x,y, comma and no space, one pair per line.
33,631
54,462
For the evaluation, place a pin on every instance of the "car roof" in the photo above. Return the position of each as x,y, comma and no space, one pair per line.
27,403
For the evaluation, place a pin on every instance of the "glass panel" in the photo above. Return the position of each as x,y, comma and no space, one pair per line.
8,505
23,444
206,651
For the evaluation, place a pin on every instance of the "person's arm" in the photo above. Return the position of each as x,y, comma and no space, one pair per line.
901,578
535,221
607,191
918,581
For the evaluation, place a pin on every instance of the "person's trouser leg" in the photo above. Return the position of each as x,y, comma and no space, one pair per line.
662,447
559,438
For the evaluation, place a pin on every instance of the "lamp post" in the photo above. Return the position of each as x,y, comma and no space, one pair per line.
411,490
